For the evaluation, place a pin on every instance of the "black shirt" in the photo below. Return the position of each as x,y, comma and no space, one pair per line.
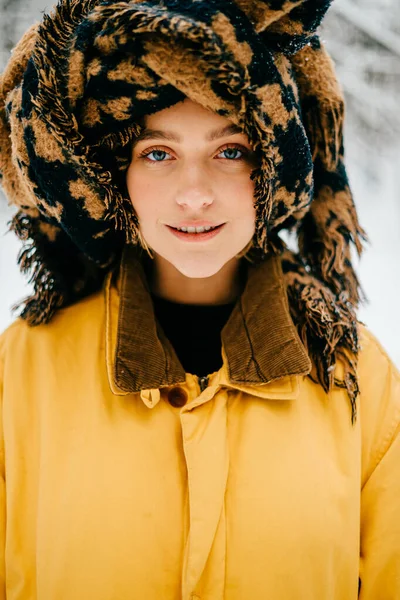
194,332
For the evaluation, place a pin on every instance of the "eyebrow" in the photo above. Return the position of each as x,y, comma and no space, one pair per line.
149,134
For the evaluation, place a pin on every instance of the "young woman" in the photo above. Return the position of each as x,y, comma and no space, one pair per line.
189,409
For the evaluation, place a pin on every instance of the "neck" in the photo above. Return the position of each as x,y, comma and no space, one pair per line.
223,287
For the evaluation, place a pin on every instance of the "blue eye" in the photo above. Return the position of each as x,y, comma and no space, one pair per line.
234,150
155,152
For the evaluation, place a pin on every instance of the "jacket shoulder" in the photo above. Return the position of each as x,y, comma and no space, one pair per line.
379,400
373,350
67,323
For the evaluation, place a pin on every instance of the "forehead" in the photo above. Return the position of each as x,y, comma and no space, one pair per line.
150,133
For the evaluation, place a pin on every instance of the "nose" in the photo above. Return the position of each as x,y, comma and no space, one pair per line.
195,191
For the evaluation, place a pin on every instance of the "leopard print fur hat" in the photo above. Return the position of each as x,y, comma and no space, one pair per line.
73,97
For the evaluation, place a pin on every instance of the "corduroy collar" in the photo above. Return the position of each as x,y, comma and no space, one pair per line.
260,341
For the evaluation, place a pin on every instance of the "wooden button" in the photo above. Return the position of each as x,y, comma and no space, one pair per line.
177,397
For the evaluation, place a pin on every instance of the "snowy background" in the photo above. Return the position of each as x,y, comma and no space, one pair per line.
363,37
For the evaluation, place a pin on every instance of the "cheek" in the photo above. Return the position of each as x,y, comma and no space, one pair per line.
143,192
240,196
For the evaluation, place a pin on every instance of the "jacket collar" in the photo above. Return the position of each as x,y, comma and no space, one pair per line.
260,341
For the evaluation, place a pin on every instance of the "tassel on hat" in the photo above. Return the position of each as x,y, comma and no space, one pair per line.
74,95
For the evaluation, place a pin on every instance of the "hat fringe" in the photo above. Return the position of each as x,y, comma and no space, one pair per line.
327,326
60,274
41,306
325,236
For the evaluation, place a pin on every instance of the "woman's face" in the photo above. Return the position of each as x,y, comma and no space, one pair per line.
183,176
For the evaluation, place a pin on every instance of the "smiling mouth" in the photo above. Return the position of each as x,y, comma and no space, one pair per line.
196,233
196,229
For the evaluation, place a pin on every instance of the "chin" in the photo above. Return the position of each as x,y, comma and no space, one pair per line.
199,268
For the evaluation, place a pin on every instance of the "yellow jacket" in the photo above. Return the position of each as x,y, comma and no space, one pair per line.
122,480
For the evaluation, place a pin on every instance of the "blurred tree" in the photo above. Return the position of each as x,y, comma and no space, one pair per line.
15,17
363,37
9,13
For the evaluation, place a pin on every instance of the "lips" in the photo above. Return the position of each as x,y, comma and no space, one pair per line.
196,237
193,227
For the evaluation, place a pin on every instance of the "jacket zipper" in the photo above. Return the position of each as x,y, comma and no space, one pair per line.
203,382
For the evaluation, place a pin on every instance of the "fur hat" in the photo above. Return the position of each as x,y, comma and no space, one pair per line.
75,93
